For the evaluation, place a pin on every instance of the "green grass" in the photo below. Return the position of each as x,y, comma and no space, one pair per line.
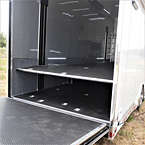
3,61
2,91
2,50
2,76
130,118
127,134
141,110
3,69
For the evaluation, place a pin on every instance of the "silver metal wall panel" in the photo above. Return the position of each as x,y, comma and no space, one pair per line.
24,43
25,16
23,82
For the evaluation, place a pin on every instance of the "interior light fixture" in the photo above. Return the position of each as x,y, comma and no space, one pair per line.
99,18
99,58
86,15
53,51
67,14
106,11
83,9
56,58
33,49
69,2
134,5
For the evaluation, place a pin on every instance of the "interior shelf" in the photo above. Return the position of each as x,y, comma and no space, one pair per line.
100,72
86,98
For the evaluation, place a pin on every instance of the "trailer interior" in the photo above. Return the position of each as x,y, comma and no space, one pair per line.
63,61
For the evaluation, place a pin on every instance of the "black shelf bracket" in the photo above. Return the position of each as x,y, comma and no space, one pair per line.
106,41
42,39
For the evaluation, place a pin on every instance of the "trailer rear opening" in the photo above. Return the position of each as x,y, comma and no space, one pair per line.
80,62
78,58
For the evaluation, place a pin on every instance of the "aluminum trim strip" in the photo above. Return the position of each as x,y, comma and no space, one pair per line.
66,75
99,137
62,111
87,136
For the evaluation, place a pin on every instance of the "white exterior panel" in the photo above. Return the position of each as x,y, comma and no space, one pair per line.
129,71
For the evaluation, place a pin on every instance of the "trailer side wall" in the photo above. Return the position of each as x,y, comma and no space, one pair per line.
129,68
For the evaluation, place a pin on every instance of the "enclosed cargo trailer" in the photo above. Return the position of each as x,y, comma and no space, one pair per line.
76,70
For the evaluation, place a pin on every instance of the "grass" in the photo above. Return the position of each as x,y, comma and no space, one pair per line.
3,62
2,77
2,51
3,69
2,91
3,72
130,118
126,134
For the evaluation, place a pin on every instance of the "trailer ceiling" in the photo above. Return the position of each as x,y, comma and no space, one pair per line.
111,5
85,9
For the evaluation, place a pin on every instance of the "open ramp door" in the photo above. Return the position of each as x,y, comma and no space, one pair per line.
22,123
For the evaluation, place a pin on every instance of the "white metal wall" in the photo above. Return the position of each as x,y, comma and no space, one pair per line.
130,56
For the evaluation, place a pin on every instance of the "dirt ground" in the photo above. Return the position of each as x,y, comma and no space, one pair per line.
132,132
